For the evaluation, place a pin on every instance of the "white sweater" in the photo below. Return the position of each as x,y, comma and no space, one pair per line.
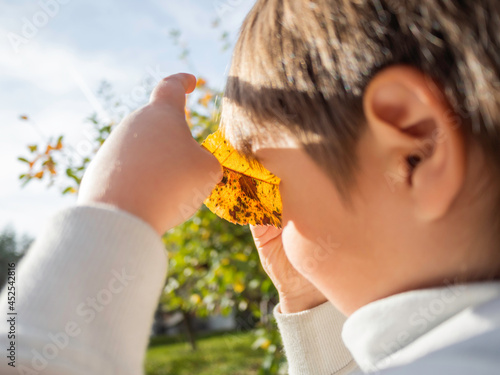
87,290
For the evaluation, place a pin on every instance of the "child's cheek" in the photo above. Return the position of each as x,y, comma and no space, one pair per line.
293,244
304,254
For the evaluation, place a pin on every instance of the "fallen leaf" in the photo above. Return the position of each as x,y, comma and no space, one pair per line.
247,194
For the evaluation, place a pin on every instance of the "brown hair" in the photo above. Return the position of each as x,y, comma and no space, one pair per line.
301,67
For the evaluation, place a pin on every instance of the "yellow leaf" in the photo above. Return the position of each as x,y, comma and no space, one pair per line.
70,190
23,117
195,299
241,257
247,194
239,287
39,175
265,344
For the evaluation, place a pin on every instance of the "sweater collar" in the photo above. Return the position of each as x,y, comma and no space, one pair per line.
375,332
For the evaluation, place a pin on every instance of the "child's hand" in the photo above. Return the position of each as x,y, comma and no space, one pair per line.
296,293
150,165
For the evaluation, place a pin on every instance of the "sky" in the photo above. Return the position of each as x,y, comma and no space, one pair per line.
55,53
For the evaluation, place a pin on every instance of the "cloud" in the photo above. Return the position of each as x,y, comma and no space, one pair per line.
48,67
39,82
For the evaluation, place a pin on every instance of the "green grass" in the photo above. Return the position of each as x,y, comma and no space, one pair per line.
221,353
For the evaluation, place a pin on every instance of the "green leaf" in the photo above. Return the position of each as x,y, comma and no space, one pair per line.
71,174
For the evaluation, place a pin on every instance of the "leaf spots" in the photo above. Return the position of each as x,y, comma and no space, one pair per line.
245,195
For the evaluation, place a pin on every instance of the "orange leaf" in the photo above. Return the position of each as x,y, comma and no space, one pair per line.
39,175
247,194
187,112
200,83
51,166
23,117
205,101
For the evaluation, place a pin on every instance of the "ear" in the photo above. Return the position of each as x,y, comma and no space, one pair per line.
414,126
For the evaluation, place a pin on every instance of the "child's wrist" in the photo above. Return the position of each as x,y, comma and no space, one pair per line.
295,304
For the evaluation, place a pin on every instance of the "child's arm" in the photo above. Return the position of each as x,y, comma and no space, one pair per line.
309,325
150,165
87,289
86,292
313,342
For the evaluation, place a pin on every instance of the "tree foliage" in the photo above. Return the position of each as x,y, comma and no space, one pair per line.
214,268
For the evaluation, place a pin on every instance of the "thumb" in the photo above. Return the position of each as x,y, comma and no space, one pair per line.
262,234
173,89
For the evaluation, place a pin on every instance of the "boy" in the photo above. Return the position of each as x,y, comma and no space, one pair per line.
380,119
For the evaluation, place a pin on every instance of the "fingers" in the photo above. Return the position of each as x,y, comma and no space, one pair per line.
173,89
262,234
258,230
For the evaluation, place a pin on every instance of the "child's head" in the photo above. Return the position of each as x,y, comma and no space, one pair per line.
382,119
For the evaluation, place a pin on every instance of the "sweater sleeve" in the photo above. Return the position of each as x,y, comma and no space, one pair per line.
313,342
86,292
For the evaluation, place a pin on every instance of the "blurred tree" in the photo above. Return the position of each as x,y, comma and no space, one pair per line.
12,249
213,268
